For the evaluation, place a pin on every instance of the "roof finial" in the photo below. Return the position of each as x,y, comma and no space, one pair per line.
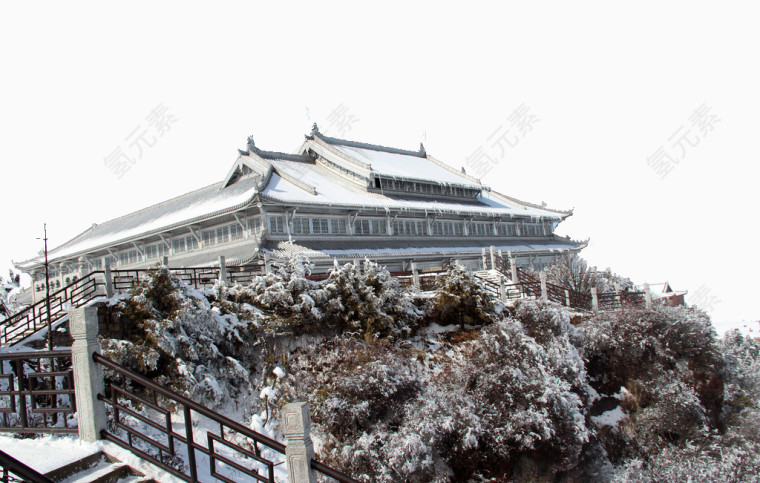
251,144
314,129
422,151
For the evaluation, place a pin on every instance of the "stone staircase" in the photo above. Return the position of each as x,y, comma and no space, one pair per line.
97,468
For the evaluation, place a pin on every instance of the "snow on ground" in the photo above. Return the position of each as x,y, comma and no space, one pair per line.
610,418
47,452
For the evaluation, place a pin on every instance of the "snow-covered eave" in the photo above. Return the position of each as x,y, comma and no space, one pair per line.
561,214
427,251
475,181
27,265
486,211
380,174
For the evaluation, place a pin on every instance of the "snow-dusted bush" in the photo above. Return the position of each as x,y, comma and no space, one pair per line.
354,389
713,459
573,273
666,364
174,336
460,299
635,344
369,302
501,397
290,299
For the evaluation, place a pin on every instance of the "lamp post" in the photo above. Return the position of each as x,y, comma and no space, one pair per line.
47,290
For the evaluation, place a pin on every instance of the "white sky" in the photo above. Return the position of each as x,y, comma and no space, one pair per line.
608,84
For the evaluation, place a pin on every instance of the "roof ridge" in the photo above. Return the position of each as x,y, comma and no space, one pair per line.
301,158
358,144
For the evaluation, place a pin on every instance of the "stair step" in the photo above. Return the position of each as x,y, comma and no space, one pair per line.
103,472
97,468
75,467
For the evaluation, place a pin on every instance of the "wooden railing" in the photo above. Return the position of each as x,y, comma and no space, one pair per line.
37,392
530,286
230,445
35,317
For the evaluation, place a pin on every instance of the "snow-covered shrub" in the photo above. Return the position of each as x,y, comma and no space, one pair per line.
635,344
667,363
545,321
354,389
174,336
370,303
709,460
460,299
290,299
501,397
572,272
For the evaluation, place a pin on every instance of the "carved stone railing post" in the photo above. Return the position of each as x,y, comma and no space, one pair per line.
567,297
415,276
88,375
109,281
484,259
647,296
267,264
513,269
594,300
299,450
502,289
544,292
223,269
493,257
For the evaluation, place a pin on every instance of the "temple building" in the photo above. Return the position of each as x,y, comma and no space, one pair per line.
332,200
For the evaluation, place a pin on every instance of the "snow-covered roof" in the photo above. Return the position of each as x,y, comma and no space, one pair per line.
404,166
332,192
194,206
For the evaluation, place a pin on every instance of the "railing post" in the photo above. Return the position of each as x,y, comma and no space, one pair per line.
594,300
502,289
267,264
648,296
544,292
109,281
88,375
483,256
299,451
223,269
513,269
618,298
165,261
493,257
415,276
567,297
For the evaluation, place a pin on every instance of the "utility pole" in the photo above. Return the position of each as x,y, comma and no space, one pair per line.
47,291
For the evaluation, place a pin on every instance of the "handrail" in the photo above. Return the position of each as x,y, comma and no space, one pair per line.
276,445
12,465
52,295
32,318
223,421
